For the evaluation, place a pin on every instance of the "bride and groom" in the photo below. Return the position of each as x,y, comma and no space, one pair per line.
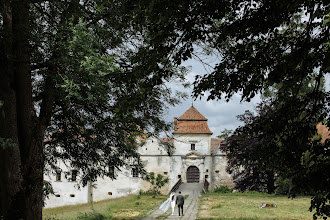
179,200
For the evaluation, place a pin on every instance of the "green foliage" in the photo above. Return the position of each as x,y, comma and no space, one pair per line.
92,216
282,186
222,189
94,73
225,133
47,189
217,206
156,181
6,143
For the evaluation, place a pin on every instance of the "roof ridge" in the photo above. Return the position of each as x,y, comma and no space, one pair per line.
192,114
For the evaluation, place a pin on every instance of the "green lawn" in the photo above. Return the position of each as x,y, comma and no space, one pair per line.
212,206
129,207
246,206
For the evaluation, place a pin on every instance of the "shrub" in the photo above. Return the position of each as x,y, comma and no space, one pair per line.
222,189
283,186
95,215
216,206
91,216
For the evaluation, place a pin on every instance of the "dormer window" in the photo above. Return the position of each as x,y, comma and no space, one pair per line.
192,146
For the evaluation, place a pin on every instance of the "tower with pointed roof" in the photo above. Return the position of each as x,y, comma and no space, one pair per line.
192,145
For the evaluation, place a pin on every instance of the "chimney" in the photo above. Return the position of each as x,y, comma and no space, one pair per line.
175,122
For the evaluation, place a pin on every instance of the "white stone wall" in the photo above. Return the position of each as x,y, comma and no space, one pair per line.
220,175
200,157
182,143
123,185
152,146
66,192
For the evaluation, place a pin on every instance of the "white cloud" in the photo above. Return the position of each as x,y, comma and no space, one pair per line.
220,114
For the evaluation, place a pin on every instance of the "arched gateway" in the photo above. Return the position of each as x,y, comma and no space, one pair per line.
192,174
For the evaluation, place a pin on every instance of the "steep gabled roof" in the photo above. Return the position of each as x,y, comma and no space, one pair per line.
192,114
191,122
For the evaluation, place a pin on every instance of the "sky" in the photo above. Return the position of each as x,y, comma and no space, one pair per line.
220,114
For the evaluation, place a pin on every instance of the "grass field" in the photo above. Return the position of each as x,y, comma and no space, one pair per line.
246,207
233,206
130,207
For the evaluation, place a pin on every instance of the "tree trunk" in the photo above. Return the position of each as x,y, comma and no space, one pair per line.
21,162
10,175
270,182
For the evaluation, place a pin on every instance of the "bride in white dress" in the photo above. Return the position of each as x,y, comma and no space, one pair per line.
168,202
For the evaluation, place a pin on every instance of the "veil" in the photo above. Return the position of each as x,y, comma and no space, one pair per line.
166,204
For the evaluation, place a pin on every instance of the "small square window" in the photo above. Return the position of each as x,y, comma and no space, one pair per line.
110,193
217,171
72,195
206,176
165,173
58,175
179,176
135,173
192,146
207,170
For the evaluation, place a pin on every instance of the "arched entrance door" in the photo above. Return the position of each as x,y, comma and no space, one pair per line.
192,174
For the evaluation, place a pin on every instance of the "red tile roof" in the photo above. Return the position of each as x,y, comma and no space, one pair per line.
191,122
215,143
192,114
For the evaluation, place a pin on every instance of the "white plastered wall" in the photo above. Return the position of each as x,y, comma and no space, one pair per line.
185,157
220,175
66,192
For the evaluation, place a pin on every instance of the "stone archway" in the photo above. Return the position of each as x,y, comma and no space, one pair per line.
193,174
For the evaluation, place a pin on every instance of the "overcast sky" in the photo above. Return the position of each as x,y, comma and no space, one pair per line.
220,114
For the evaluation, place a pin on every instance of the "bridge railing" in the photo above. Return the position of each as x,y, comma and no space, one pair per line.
176,186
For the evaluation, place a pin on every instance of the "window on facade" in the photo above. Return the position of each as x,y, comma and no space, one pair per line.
72,195
74,175
165,173
207,170
206,176
57,195
135,173
179,176
217,171
110,193
192,146
58,175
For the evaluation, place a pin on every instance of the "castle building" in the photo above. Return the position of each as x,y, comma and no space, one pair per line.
190,156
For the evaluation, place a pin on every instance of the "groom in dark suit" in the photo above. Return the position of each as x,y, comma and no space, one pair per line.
180,202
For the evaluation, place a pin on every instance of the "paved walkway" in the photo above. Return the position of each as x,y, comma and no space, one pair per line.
190,207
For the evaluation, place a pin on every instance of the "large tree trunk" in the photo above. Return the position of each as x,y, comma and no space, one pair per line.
22,162
270,182
10,175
